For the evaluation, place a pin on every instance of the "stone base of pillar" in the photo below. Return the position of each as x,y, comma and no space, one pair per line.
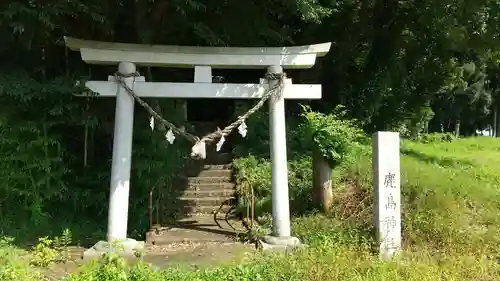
280,244
128,248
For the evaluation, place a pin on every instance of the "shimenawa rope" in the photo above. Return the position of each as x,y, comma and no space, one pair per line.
210,138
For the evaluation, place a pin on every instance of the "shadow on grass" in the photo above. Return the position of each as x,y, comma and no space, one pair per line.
448,162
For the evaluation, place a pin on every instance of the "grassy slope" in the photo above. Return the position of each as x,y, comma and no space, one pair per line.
452,193
451,227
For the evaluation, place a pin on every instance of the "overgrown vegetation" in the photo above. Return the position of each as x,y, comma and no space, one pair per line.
451,226
450,208
339,140
22,265
49,251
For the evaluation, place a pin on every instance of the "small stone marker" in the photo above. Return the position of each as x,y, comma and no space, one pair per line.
387,189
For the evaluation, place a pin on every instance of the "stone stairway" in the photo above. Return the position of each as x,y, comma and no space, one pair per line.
202,189
187,205
208,183
207,187
200,192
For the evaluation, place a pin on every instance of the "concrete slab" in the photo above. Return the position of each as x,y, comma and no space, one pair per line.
202,228
128,248
280,244
196,254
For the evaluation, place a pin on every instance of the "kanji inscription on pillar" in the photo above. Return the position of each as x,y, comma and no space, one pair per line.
389,180
387,192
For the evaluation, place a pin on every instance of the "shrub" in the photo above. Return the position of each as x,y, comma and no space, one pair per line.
338,140
48,251
335,137
255,173
14,267
436,138
112,267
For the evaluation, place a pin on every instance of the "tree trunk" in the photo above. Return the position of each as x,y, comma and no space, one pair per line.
184,114
494,128
457,128
322,182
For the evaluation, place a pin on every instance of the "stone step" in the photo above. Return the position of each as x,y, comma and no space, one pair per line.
198,228
209,193
207,201
222,160
216,166
210,186
195,168
206,209
188,206
210,172
213,154
205,180
214,159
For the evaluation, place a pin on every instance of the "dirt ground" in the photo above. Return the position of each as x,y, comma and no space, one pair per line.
191,255
198,242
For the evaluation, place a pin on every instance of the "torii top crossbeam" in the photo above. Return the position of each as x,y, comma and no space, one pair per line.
108,53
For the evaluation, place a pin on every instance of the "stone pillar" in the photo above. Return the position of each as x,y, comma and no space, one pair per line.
387,189
281,239
277,128
122,154
117,241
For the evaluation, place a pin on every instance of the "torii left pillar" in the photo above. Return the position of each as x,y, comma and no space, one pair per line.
122,154
120,174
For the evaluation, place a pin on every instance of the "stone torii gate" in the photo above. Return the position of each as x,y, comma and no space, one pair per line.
202,59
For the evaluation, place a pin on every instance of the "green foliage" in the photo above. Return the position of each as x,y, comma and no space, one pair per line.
49,251
436,138
258,133
112,267
41,158
43,253
257,140
339,140
33,157
334,137
61,244
453,185
429,170
255,173
13,265
451,232
334,253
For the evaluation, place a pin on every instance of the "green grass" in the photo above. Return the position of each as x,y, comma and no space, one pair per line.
451,194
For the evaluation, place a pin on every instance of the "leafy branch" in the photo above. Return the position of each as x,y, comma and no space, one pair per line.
333,136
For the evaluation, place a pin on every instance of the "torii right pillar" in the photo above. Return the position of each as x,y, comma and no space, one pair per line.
281,238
